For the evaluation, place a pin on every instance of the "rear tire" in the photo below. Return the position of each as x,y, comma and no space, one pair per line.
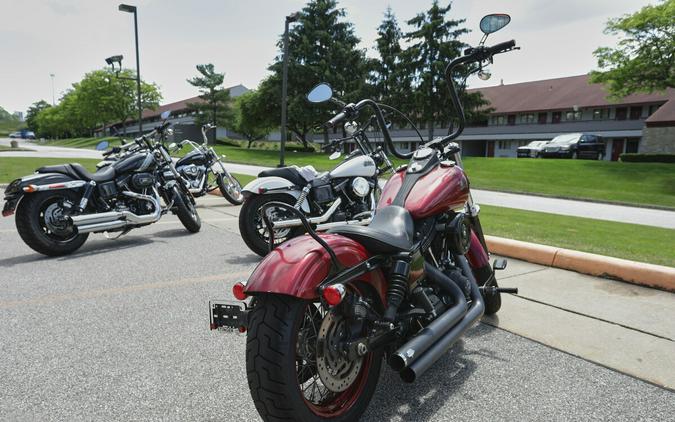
251,225
275,363
230,188
185,211
31,223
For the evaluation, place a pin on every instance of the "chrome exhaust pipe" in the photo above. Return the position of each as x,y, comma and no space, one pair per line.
312,220
117,219
422,341
326,226
438,349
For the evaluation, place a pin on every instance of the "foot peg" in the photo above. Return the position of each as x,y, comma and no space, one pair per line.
499,264
490,290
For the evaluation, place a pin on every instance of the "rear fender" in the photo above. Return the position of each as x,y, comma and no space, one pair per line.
15,190
273,184
297,267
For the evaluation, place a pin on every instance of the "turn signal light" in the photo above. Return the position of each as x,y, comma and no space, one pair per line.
334,294
30,188
238,291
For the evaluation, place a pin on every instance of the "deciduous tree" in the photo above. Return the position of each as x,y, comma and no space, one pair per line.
644,59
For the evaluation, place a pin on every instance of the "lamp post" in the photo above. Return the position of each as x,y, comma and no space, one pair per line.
52,76
293,17
132,9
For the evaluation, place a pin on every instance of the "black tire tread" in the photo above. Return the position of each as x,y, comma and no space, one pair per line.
30,232
193,225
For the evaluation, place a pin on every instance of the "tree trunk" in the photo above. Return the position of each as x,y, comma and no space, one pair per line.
250,141
431,130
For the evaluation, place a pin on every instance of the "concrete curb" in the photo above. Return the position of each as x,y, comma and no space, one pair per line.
649,275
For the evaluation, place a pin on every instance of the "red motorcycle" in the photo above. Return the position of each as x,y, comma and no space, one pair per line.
326,309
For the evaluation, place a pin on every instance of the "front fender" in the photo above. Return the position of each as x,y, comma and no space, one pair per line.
274,184
298,266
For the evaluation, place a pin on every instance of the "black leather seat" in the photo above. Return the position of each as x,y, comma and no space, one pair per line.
289,173
77,171
390,231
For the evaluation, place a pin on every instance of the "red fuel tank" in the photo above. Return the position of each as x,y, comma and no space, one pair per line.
443,188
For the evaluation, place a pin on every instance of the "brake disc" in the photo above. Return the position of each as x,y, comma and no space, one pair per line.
336,371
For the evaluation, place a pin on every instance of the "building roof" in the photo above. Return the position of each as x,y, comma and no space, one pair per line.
235,91
559,94
664,116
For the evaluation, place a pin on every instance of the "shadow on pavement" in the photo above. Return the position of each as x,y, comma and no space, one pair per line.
243,259
421,401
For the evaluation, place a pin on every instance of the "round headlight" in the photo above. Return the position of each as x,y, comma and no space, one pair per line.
360,186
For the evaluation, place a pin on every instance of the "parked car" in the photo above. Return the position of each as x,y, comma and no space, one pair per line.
531,150
575,145
23,134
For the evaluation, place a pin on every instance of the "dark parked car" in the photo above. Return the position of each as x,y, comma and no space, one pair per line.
531,150
575,145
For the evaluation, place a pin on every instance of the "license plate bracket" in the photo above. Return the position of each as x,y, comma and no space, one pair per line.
228,315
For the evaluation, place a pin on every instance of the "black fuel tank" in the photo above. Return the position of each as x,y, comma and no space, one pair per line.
141,161
192,157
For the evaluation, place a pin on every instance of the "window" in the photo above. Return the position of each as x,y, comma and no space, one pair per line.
541,118
527,118
503,144
555,117
511,119
632,146
653,108
601,114
635,112
499,120
621,113
572,115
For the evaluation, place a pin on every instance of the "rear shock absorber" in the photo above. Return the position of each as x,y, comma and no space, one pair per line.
398,287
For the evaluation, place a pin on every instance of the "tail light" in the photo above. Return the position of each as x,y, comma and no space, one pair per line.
238,291
334,294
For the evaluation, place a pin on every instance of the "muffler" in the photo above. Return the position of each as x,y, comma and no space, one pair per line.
423,340
282,224
111,220
417,366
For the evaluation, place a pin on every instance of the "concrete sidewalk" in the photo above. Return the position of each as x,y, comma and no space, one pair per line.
624,327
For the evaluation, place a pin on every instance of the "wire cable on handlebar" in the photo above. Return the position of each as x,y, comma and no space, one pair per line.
404,116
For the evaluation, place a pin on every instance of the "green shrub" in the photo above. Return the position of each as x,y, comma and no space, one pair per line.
647,158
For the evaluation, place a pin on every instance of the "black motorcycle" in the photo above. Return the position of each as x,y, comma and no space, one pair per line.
198,165
59,206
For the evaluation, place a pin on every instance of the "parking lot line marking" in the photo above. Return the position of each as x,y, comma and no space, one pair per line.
90,294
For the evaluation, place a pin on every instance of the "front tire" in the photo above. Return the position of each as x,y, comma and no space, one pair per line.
280,369
185,210
38,221
252,228
230,188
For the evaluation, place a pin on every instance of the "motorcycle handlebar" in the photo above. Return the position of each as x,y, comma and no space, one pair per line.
337,119
501,47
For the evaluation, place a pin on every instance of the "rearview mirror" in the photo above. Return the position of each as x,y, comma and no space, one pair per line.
165,114
494,22
102,146
320,93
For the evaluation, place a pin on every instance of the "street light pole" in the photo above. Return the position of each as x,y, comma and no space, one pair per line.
53,101
132,9
284,88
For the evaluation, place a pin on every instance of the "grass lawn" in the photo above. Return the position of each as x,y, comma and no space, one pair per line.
629,241
14,167
6,148
627,183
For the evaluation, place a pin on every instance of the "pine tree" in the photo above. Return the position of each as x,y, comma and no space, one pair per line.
322,48
215,108
434,42
387,75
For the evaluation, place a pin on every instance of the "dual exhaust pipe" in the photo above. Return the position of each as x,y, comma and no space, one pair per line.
112,220
417,355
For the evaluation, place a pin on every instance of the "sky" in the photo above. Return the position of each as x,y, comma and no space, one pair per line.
68,38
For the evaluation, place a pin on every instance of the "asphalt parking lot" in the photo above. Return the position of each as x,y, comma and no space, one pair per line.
119,331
